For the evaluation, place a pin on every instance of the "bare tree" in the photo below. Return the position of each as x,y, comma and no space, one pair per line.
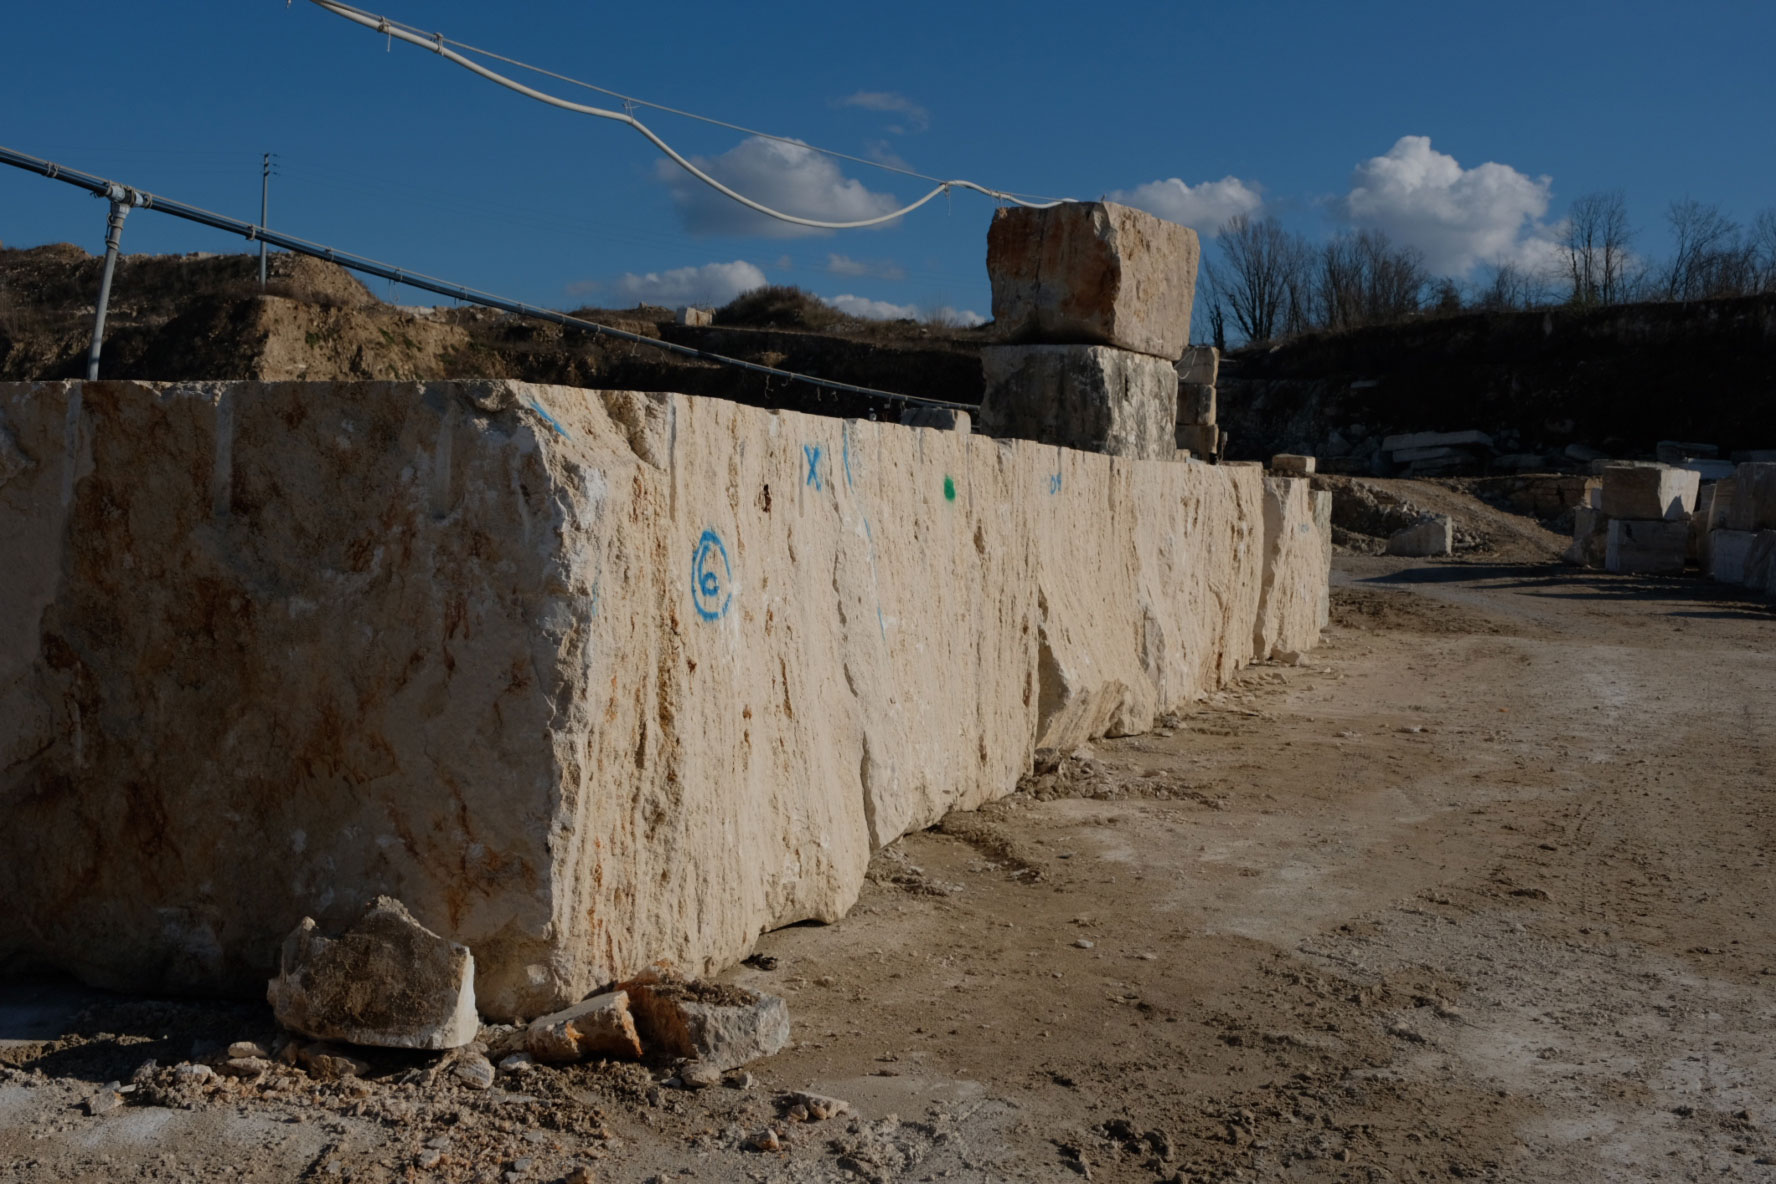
1512,287
1709,257
1364,279
1260,277
1763,246
1595,246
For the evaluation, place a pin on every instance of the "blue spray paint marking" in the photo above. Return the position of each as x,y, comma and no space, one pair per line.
549,419
1054,484
711,578
812,452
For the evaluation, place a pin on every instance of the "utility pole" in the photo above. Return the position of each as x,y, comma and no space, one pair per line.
264,207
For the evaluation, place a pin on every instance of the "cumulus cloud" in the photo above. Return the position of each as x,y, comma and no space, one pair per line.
1204,208
883,310
917,119
785,176
882,269
710,284
1458,217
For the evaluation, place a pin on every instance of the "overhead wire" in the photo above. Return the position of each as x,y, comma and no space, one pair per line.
437,43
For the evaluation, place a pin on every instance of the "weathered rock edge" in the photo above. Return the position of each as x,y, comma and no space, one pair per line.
589,680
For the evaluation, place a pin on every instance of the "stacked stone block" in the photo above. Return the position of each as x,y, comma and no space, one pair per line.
1740,543
1198,432
1640,520
1092,300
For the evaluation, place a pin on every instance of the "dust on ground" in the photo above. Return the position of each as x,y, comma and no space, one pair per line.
1480,892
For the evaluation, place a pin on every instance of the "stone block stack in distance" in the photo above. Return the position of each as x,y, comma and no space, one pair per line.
1738,528
1198,433
1639,520
1092,301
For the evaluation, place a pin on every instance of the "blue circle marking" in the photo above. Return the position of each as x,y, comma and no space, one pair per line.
711,578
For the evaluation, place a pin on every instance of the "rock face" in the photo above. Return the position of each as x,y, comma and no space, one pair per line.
388,981
588,680
1093,273
1088,397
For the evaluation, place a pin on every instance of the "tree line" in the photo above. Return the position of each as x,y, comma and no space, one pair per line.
1265,282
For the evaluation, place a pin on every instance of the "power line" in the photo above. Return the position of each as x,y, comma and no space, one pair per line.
440,45
124,198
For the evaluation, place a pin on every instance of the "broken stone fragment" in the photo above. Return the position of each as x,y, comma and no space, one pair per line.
818,1107
597,1027
721,1027
474,1071
388,981
327,1063
248,1067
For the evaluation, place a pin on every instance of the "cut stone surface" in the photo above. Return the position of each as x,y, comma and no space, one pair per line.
1590,537
1728,551
1203,440
598,1027
722,1034
388,981
1296,565
1322,509
1638,490
1200,366
1293,464
589,680
1196,403
1089,397
1434,534
1754,497
1092,273
1647,546
1760,562
1416,440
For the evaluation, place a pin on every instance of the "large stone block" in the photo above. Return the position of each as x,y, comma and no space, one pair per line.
1646,546
1727,552
1089,397
1431,535
1644,490
588,680
1200,365
1196,403
1093,273
1754,497
1590,538
1759,573
1202,440
1296,564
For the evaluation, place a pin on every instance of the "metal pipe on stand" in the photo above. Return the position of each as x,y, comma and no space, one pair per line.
122,201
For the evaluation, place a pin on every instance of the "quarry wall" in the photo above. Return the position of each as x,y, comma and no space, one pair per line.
587,679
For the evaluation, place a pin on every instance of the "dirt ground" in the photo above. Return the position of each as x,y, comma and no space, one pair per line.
1480,892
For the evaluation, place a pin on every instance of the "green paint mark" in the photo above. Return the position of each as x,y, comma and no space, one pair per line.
949,489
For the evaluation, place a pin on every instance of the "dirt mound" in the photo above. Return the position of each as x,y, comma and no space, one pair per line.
1367,510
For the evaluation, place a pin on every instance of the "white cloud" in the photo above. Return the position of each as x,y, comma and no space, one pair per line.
710,284
1458,217
875,310
885,269
1204,208
917,118
882,310
784,176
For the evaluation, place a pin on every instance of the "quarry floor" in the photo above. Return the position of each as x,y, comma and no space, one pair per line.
1482,892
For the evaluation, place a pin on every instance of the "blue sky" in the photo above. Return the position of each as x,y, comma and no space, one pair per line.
1462,129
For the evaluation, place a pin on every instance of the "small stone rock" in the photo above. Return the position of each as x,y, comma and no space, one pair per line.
699,1075
191,1074
388,981
819,1106
474,1071
248,1067
248,1048
597,1027
723,1035
105,1101
765,1140
428,1158
740,1080
518,1062
1084,943
580,1175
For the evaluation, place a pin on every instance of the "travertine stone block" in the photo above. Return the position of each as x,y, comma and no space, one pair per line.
1753,497
588,680
1293,464
1295,562
1200,366
1431,535
1092,273
1727,552
1089,397
1646,546
1642,491
1202,439
1760,563
1196,403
